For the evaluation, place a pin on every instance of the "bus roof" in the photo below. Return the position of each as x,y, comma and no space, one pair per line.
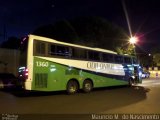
69,44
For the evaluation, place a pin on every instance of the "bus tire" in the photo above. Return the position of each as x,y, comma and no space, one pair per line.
87,86
72,87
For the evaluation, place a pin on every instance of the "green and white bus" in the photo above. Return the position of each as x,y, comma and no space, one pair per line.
51,65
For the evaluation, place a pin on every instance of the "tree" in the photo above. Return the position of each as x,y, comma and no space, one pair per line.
89,31
61,31
156,59
98,32
155,55
125,49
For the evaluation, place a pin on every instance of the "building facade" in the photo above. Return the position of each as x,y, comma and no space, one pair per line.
9,61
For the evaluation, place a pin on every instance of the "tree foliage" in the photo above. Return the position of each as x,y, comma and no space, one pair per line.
98,32
126,49
89,31
61,31
155,54
156,59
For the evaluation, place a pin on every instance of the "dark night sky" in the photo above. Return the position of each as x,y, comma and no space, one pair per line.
21,17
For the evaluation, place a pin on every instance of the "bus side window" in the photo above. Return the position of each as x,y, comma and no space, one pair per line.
92,55
62,51
59,50
127,60
39,48
52,50
118,59
108,58
79,53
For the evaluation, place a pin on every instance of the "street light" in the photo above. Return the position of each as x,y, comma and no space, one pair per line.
133,41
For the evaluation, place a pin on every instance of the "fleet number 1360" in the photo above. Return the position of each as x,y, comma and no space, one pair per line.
41,64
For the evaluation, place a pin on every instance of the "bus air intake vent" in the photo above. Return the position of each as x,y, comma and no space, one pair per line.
41,80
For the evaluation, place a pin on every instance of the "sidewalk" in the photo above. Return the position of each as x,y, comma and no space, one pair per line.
153,74
151,78
153,81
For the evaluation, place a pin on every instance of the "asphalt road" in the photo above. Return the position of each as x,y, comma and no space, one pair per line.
143,98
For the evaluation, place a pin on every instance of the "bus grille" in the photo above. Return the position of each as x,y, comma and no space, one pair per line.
41,80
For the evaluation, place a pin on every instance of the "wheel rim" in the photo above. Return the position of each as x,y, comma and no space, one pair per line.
87,86
72,89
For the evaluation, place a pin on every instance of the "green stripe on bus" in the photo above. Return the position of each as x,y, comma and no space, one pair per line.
51,76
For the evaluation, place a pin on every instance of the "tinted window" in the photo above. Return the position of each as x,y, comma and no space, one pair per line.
108,58
39,48
127,60
118,59
92,55
62,50
79,53
52,50
58,50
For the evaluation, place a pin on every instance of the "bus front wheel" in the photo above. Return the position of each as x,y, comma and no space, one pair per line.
87,86
72,87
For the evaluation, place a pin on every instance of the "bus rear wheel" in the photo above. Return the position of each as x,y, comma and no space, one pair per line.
72,87
87,86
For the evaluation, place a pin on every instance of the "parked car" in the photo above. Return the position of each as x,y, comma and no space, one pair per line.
145,74
7,80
